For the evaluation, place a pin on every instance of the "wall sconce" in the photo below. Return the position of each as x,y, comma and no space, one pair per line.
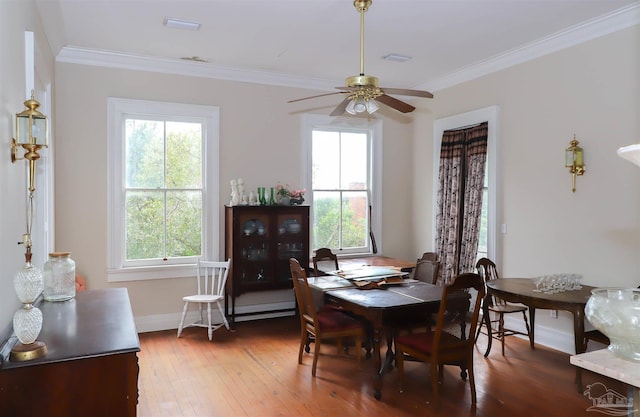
31,133
574,160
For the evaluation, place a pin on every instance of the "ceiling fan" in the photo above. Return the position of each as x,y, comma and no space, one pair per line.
363,91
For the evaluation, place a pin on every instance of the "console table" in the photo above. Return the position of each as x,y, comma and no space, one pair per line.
91,368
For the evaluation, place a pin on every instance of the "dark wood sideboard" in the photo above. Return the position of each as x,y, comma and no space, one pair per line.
91,368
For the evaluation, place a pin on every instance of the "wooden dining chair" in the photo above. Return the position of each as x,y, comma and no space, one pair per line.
320,325
324,260
426,271
449,343
488,271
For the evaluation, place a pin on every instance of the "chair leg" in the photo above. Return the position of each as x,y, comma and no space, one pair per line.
435,382
526,323
224,318
316,353
184,314
304,337
501,331
209,329
400,367
472,382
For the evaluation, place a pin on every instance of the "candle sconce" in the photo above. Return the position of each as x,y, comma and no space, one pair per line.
574,160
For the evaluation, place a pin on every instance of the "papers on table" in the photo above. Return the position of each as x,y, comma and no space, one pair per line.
369,273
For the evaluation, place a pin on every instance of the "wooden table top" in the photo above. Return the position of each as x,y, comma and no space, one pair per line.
524,289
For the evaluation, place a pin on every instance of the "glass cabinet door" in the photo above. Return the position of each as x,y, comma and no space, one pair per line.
292,241
253,248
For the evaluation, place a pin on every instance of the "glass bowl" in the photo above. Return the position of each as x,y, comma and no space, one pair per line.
616,313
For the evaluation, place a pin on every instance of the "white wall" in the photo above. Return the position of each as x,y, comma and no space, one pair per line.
16,17
592,90
260,141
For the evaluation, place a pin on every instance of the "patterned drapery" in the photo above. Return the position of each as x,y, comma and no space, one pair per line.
459,205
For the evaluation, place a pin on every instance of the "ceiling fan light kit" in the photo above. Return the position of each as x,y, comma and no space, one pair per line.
363,91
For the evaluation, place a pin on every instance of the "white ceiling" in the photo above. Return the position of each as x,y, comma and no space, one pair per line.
316,43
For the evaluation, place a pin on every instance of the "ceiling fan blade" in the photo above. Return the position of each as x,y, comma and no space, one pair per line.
319,95
341,107
407,92
401,106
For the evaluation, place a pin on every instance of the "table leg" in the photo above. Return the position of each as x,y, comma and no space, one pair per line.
487,321
377,363
532,319
578,334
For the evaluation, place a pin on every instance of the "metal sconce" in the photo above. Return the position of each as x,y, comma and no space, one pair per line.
574,160
31,133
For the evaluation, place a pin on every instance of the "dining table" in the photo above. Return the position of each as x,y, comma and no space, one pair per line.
383,307
524,291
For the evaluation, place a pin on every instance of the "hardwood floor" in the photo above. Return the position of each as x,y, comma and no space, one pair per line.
254,372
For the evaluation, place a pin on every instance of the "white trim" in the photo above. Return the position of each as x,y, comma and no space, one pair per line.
210,117
158,322
600,26
375,127
591,29
489,114
84,56
544,335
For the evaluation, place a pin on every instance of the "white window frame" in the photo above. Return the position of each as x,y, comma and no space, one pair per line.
374,129
118,109
491,115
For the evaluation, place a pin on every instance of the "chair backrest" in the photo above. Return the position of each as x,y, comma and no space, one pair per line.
306,305
428,256
456,325
324,260
488,271
426,271
212,276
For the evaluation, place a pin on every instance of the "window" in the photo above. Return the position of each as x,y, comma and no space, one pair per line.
163,188
344,182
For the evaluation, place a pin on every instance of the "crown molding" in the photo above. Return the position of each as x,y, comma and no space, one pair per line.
591,29
586,31
109,59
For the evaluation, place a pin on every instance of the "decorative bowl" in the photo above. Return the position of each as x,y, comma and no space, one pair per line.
616,313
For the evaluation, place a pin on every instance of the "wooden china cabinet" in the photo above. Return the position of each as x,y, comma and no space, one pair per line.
259,240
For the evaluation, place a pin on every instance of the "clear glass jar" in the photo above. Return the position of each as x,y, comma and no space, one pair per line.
59,277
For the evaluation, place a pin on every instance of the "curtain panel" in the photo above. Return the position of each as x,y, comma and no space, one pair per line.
463,156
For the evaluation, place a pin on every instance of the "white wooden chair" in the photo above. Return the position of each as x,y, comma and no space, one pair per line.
212,277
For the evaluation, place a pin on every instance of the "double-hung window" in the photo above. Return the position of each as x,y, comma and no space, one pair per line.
344,179
163,174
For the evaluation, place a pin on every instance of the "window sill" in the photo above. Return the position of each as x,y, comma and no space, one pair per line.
150,273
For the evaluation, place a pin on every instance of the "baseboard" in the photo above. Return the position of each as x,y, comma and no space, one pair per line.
544,335
159,322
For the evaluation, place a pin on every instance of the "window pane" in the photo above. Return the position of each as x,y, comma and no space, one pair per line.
325,174
144,153
184,223
144,225
354,220
184,155
326,219
354,161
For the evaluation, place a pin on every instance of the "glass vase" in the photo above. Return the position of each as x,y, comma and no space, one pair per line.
59,277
